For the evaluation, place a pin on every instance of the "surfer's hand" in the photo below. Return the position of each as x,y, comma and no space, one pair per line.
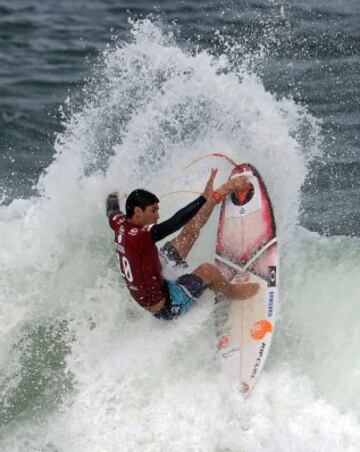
209,187
236,184
112,204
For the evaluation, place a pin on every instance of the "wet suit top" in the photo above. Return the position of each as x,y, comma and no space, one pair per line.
137,253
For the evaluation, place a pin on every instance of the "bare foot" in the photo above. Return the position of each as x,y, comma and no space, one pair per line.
241,291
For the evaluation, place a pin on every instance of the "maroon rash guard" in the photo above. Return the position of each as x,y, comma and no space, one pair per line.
137,251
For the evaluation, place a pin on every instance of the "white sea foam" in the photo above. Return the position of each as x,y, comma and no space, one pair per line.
131,382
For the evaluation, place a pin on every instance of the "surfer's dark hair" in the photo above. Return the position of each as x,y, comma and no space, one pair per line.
139,198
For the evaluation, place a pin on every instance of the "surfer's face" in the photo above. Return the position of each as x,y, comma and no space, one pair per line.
150,215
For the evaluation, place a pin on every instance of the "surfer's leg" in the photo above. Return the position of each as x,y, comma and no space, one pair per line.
190,232
218,283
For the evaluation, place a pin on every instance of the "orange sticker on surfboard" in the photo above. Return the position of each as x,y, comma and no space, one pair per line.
260,329
223,341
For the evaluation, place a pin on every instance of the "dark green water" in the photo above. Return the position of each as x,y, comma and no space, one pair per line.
47,49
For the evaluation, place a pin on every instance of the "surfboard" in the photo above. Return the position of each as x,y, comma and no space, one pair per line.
247,251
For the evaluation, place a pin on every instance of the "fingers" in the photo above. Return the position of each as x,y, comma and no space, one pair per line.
234,184
213,174
240,182
210,183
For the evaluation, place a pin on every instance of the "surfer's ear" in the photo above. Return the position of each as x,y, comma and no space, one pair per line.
138,210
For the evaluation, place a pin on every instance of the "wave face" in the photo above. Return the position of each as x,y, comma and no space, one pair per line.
83,367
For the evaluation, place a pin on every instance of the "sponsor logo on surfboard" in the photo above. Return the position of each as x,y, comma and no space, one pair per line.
260,329
224,341
271,302
230,352
258,360
271,277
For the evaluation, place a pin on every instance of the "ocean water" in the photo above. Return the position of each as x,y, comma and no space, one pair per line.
108,95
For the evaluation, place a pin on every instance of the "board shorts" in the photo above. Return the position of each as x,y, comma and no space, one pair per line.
184,291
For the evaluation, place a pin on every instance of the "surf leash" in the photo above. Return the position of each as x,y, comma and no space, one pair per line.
213,154
179,191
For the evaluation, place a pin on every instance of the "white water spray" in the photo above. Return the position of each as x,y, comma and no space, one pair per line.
126,381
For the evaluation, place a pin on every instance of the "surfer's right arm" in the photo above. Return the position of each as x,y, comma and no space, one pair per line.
112,205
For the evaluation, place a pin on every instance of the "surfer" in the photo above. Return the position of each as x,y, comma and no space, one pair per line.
136,234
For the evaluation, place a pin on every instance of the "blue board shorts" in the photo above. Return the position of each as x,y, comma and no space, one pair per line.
184,291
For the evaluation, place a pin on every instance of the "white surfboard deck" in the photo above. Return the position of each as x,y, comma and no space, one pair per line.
247,251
